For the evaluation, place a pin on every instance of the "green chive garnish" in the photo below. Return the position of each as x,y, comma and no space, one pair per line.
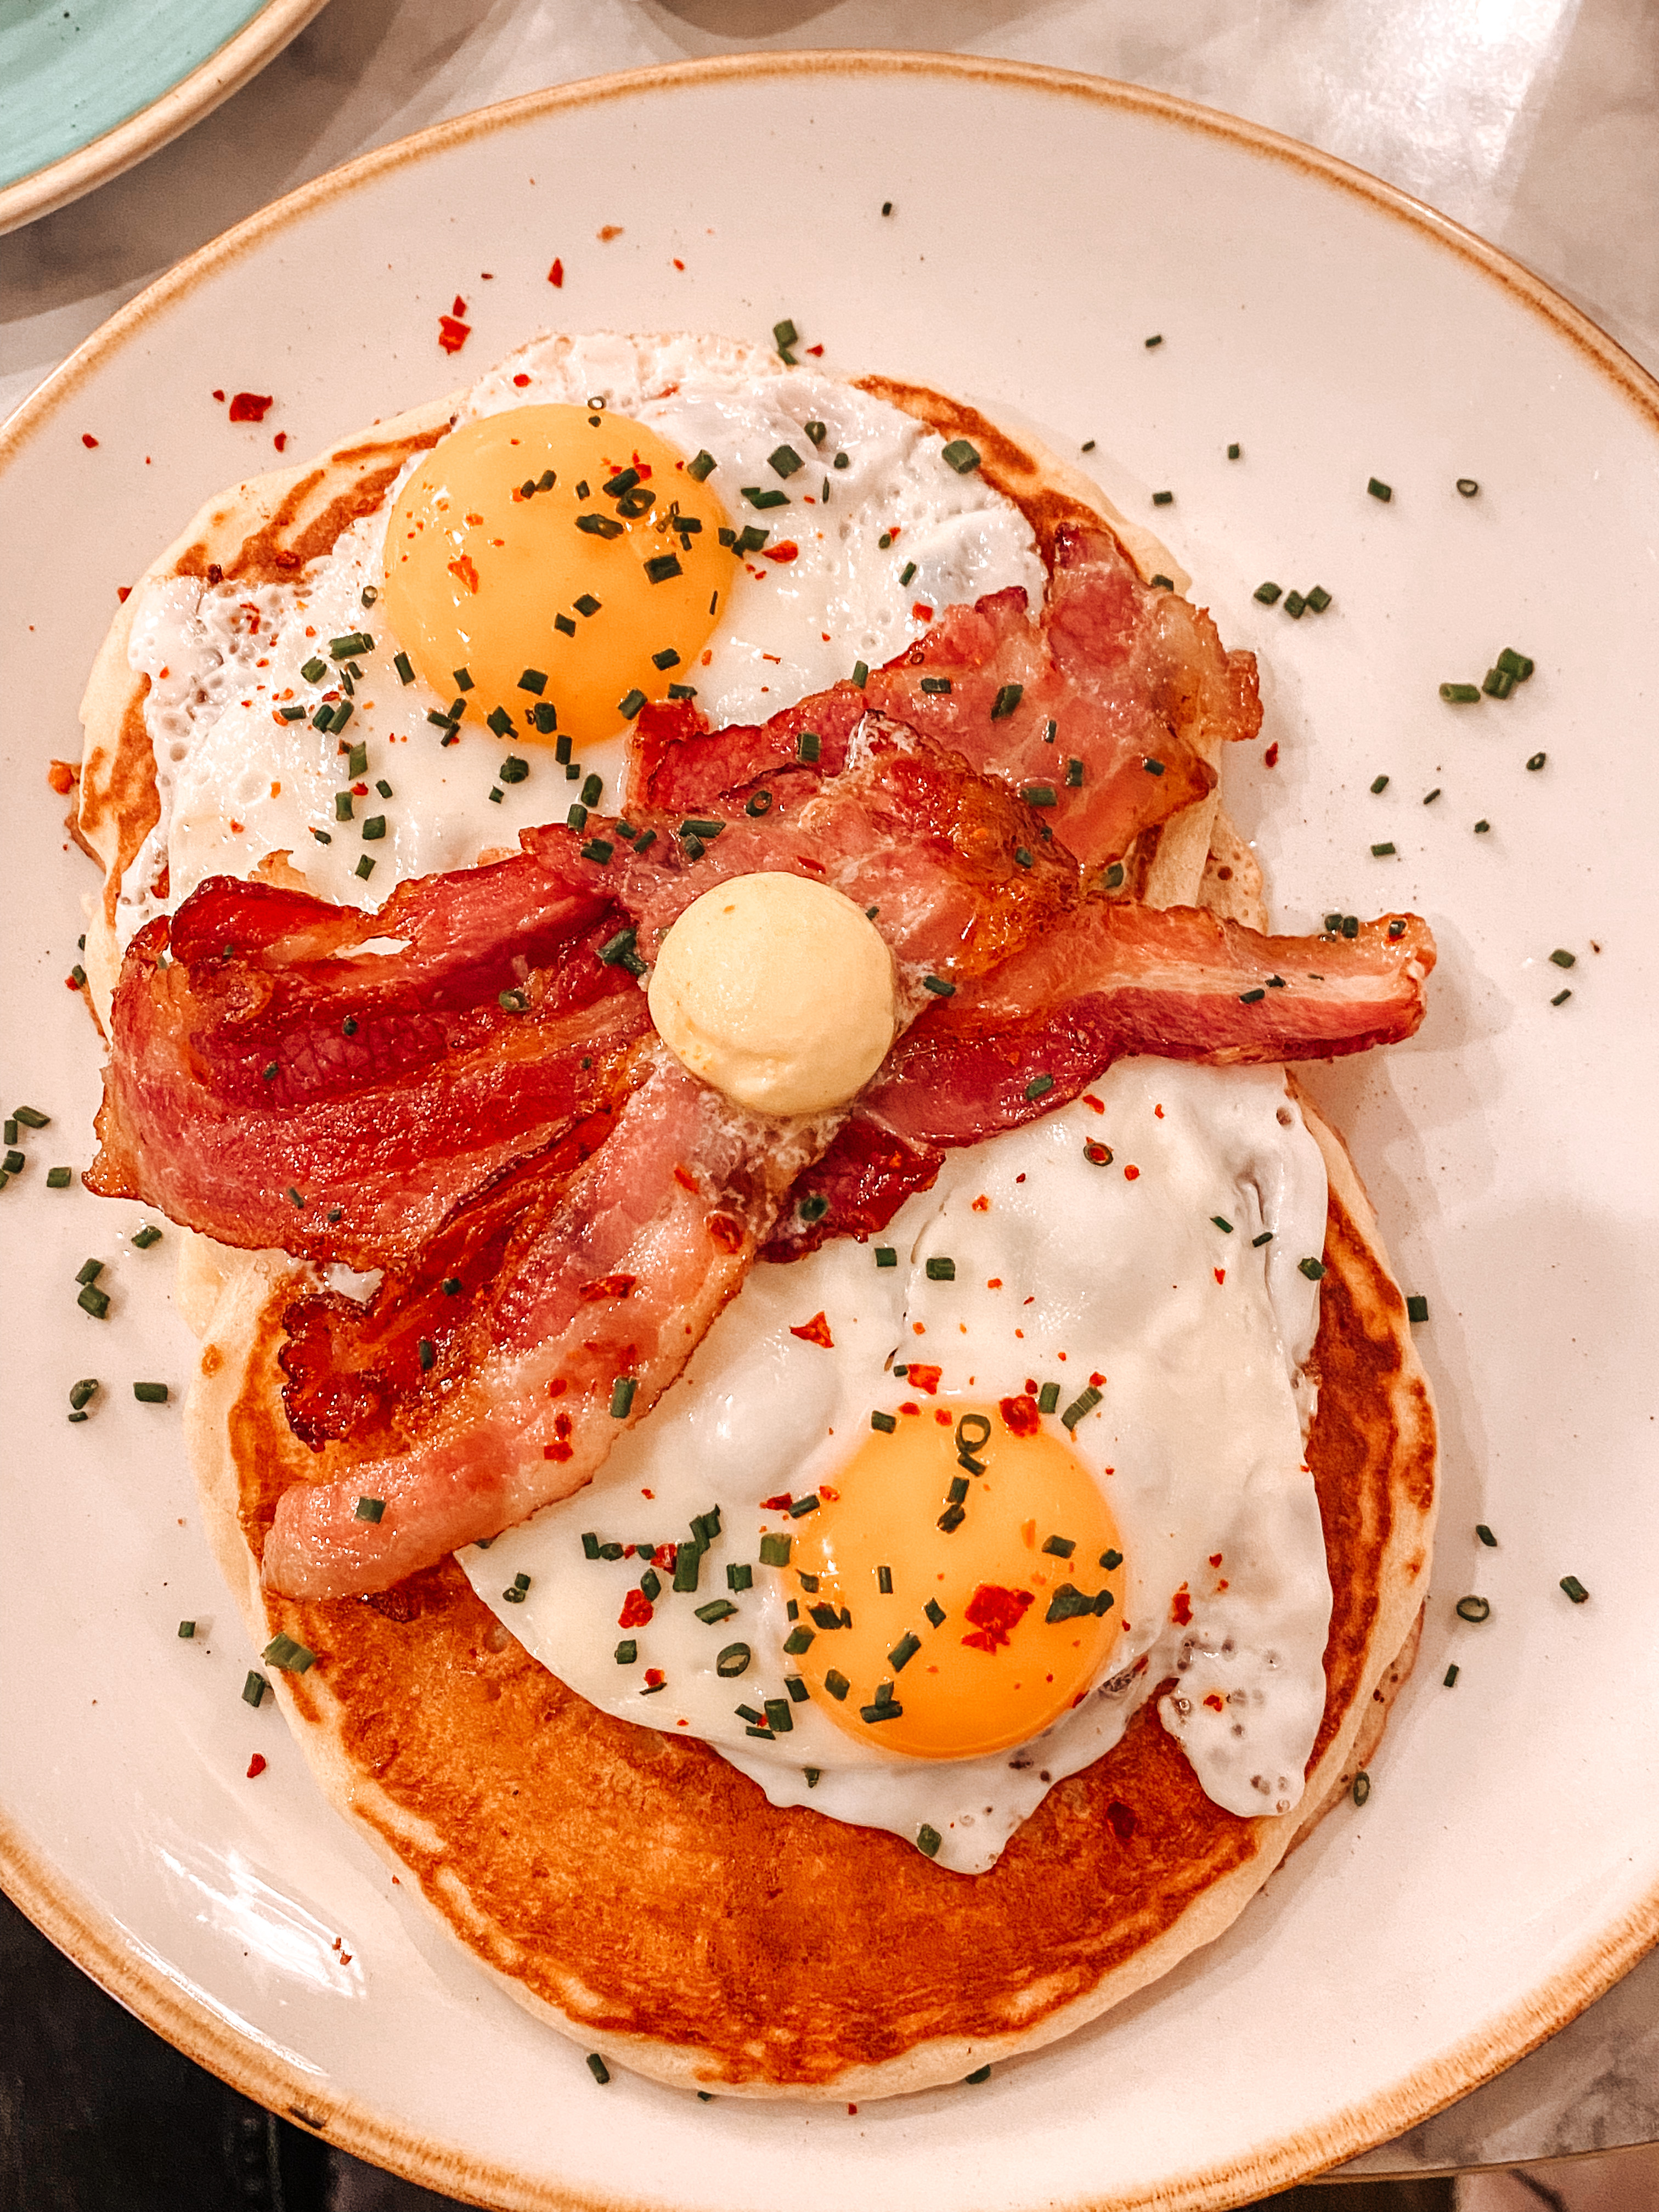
808,745
370,1509
886,1423
928,1841
404,666
906,573
1460,694
1385,852
717,1609
860,673
187,1630
1562,958
732,1661
1474,1609
1450,1675
365,867
886,1255
1313,1269
58,1178
621,1396
1362,1787
81,1392
1039,1086
1318,599
1379,783
1048,1397
837,1685
1295,605
960,456
941,1270
1163,498
1485,1535
1378,489
1560,998
1467,486
774,1551
1084,1402
1515,663
374,828
151,1394
94,1301
1574,1588
1268,592
598,2069
253,1689
292,1656
939,987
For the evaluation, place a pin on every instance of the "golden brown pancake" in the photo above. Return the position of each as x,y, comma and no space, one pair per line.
634,1889
637,1891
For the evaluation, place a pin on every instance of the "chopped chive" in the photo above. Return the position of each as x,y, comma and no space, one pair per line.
1485,1535
1384,852
1074,774
884,1581
598,2069
1515,663
1562,958
882,1709
1467,486
187,1631
1221,1223
1111,1560
662,567
1113,877
374,828
807,1505
1039,1086
1268,592
759,802
785,335
81,1392
286,1652
1059,1547
860,673
1379,783
785,461
1535,761
1482,827
1022,857
94,1301
370,1509
717,1609
732,1661
739,1575
1295,605
927,1842
599,849
1048,1397
427,1352
957,1492
621,1396
512,1002
960,456
1460,694
253,1689
936,683
1450,1675
837,1685
938,986
774,1551
365,867
627,1652
58,1178
800,1639
1084,1402
906,572
941,1270
951,1519
1574,1588
808,745
886,1255
1163,498
1378,489
151,1394
1098,1155
1416,1307
1497,684
314,670
1043,794
1068,1603
886,1423
778,1718
1362,1787
1560,998
1266,1238
1153,767
1250,997
1474,1609
590,1544
1313,1269
1318,599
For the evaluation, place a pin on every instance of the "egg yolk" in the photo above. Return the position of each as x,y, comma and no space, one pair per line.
982,1605
559,558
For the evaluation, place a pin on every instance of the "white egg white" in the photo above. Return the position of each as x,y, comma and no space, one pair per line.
1197,1443
235,782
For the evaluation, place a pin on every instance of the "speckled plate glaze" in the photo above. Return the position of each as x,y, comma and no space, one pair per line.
86,90
1043,228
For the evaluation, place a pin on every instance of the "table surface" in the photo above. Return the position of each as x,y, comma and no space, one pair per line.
1535,122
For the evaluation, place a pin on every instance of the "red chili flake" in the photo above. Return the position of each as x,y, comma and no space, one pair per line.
558,1387
908,1406
1121,1818
87,438
464,572
678,263
993,1282
606,1287
1020,1416
555,276
255,1766
944,1419
520,380
219,396
281,442
559,1451
922,611
787,551
459,307
1270,758
644,467
816,1331
1220,1274
781,1503
924,1376
653,1675
685,1179
61,776
1216,1702
453,333
1181,1609
816,352
853,2112
69,983
636,1610
1130,1174
1158,1110
123,593
725,1232
995,1614
1099,1104
609,231
982,1204
830,1497
251,406
1215,1558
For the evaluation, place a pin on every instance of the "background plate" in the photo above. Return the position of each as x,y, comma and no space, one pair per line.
1506,1867
87,90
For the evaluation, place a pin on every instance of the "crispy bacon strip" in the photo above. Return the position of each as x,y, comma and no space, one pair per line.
675,1203
1115,675
278,1056
1115,978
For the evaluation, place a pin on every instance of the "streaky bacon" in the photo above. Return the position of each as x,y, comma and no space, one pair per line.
1122,673
1115,978
904,827
676,1200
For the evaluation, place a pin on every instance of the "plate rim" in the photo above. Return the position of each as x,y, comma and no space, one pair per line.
207,86
95,1941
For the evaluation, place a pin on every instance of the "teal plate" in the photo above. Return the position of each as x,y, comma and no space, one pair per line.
89,87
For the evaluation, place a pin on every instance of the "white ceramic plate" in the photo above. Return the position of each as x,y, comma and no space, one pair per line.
1506,1867
85,92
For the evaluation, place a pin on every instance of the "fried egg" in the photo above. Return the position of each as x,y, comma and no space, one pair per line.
611,520
929,1519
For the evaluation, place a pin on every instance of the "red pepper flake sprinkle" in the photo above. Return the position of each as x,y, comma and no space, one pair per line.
995,1614
678,263
255,1766
982,1204
281,442
1216,1558
123,593
1270,758
1216,1702
787,551
924,1376
636,1610
520,380
1130,1174
1121,1821
87,438
609,231
1020,1416
465,572
251,406
219,396
1099,1104
1180,1609
781,1503
654,1678
61,776
922,611
1220,1274
453,332
816,1331
908,1406
555,276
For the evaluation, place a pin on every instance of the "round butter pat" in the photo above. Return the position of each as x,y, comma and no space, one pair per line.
778,991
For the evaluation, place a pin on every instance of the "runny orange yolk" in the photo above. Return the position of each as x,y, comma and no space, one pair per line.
607,582
995,1669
